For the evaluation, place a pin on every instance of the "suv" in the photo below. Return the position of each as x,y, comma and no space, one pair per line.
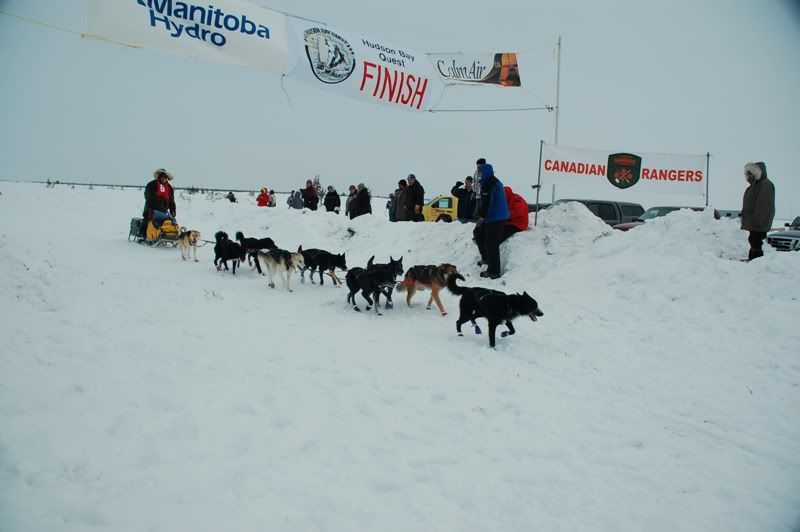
786,240
611,212
657,212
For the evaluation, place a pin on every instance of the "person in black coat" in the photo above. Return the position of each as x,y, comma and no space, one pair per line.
403,208
310,198
362,203
417,197
332,201
467,202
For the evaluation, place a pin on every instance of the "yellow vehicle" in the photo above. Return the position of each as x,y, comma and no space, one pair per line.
441,209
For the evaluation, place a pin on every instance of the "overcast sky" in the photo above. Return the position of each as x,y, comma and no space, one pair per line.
674,76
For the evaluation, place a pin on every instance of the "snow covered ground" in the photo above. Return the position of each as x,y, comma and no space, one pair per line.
659,392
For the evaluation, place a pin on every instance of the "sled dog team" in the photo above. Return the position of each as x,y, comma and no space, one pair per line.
372,281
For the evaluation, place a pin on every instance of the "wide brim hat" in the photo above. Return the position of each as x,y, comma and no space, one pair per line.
160,171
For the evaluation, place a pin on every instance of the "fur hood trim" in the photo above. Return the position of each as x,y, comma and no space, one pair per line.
754,169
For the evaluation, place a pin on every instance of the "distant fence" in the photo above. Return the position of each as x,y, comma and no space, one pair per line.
111,186
189,190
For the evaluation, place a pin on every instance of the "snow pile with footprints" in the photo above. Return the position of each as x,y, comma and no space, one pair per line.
659,391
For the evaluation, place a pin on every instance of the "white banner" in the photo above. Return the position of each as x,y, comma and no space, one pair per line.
580,171
494,69
370,70
227,31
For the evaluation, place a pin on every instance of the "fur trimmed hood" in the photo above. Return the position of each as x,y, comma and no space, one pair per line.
757,170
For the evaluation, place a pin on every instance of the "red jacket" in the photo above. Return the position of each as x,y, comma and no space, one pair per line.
517,208
262,200
159,197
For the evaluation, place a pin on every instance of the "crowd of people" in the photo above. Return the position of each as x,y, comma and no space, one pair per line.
497,211
358,202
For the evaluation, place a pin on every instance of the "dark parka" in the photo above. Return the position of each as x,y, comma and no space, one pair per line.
310,198
758,203
361,204
154,202
467,202
403,207
332,201
417,197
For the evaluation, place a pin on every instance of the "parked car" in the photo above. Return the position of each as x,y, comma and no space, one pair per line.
786,240
657,212
611,212
442,208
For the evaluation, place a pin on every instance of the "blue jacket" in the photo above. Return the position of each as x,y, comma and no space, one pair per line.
494,207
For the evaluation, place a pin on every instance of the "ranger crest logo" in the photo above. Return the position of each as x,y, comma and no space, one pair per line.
624,169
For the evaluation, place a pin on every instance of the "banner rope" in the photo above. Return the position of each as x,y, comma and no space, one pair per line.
285,92
545,108
65,30
526,51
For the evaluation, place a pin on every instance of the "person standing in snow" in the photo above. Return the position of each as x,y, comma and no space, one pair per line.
391,206
349,201
262,200
494,213
310,196
466,200
362,203
403,208
273,200
417,196
295,200
758,207
332,201
476,185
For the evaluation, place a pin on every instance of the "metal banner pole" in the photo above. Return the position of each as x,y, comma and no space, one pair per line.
558,87
538,184
708,158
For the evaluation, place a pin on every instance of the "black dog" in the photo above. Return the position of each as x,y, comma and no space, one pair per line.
374,280
253,245
324,261
225,250
497,307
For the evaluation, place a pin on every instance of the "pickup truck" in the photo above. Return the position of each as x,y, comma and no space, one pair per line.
786,240
611,212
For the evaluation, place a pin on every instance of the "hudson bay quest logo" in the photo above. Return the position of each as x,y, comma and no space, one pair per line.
331,57
198,22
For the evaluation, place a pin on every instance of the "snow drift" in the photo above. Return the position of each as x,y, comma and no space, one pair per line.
139,392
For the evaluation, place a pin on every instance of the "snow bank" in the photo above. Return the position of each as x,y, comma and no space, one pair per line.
137,391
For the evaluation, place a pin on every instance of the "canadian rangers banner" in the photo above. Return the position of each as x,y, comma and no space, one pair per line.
371,70
229,31
469,69
575,170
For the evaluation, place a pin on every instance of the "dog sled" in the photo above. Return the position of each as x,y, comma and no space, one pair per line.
164,235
